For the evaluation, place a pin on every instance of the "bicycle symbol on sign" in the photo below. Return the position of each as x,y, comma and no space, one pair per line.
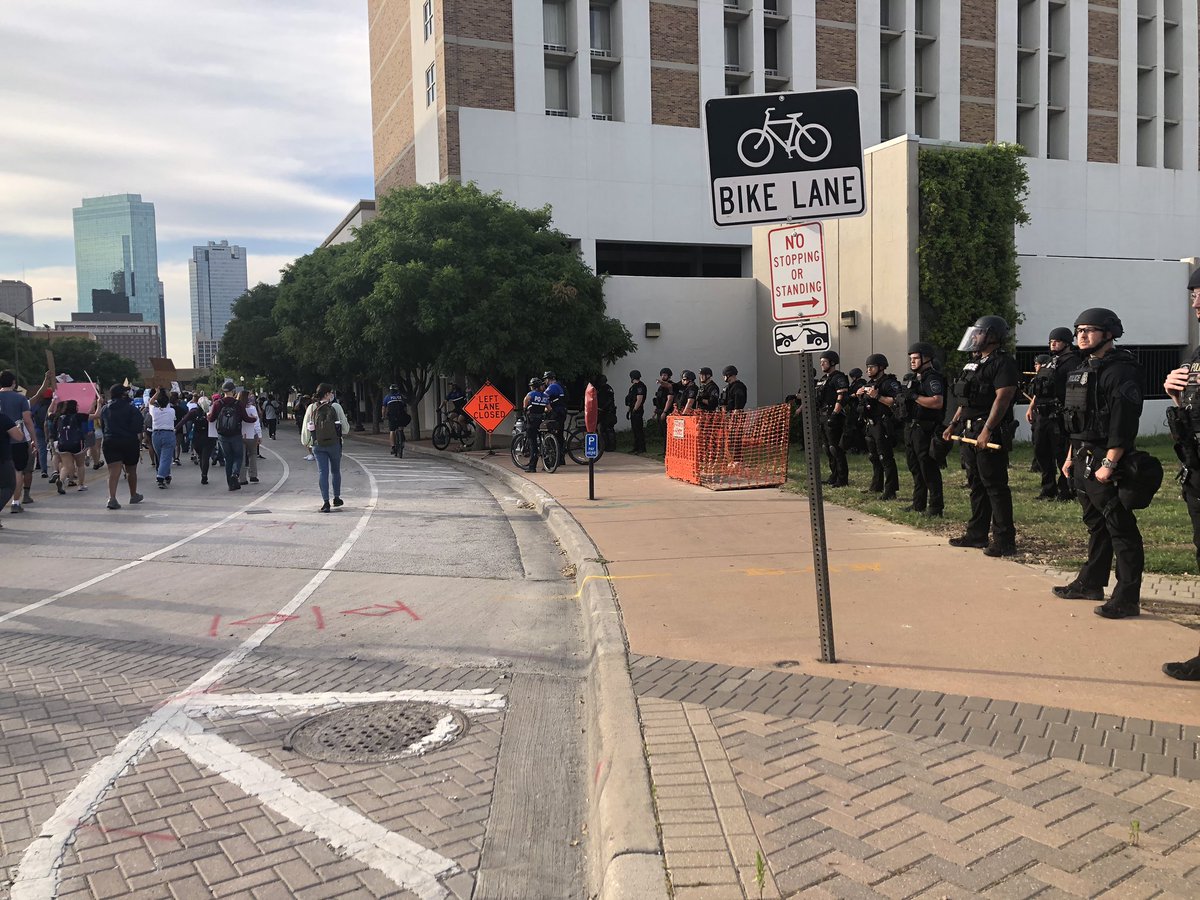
757,153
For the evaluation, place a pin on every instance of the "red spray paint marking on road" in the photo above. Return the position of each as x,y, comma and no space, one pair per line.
375,610
384,610
320,618
212,632
266,619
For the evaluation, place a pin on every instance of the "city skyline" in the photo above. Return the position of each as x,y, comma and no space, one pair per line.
217,278
265,144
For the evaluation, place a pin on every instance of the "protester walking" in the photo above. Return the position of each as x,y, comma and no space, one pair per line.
121,423
324,424
14,405
162,434
251,435
69,428
271,415
228,414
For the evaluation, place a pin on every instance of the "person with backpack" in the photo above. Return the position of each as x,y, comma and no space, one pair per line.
227,414
395,408
319,432
69,429
270,410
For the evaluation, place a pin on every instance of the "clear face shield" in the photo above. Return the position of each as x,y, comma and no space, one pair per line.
973,340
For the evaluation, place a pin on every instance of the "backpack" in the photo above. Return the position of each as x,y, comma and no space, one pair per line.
229,419
325,422
70,437
397,412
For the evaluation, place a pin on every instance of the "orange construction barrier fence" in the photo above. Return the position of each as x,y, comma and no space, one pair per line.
726,451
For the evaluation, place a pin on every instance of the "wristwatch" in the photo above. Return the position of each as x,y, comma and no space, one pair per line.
1107,463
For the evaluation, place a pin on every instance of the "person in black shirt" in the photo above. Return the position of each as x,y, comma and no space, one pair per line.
1045,414
123,426
606,409
685,398
635,402
708,395
735,395
664,395
985,393
1102,411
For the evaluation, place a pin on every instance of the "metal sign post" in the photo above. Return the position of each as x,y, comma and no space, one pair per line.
816,507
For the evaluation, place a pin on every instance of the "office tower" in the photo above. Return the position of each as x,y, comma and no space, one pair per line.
116,258
16,299
217,275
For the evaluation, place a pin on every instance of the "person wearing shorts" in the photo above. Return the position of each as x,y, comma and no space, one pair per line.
122,426
24,453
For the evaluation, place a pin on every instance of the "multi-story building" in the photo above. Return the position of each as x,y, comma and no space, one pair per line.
217,275
124,333
16,300
116,258
596,108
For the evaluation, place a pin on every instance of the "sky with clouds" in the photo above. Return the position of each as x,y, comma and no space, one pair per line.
240,120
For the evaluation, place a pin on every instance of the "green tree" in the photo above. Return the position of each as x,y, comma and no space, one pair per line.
252,346
74,356
460,280
972,200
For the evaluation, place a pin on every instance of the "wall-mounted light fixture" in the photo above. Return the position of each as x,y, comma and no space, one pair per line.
850,318
653,329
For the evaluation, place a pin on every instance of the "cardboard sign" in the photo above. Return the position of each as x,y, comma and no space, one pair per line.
164,372
488,407
82,392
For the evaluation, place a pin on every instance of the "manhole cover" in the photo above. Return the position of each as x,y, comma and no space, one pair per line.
377,732
257,512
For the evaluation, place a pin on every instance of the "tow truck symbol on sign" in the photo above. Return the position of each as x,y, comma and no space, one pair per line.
801,337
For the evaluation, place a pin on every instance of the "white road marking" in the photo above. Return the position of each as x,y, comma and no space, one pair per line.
405,862
82,586
470,700
37,873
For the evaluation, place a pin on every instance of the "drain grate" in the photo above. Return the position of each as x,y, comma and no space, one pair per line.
377,732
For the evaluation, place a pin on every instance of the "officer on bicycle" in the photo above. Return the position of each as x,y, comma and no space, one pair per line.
536,405
556,396
456,399
395,408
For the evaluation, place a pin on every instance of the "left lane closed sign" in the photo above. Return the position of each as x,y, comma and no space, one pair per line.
488,407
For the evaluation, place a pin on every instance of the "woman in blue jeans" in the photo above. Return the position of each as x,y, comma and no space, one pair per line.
162,435
321,432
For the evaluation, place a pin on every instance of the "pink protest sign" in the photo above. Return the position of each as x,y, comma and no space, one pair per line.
82,392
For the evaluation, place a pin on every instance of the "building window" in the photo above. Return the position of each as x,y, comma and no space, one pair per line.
601,29
554,24
733,54
771,50
431,84
668,260
556,92
427,14
602,95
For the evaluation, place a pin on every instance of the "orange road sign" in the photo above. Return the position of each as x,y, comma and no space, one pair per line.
488,407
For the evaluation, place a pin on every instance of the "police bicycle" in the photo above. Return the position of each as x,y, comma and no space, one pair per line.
522,447
446,431
575,436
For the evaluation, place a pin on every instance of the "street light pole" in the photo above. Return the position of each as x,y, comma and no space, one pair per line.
17,331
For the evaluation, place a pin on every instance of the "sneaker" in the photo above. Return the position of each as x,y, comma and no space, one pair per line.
96,466
61,489
136,498
243,483
338,501
253,480
44,475
54,478
161,483
16,508
967,541
1076,591
995,548
27,499
203,479
1118,611
83,487
70,482
168,479
324,508
113,504
310,457
1184,671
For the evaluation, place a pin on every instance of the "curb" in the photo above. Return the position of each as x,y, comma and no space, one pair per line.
626,857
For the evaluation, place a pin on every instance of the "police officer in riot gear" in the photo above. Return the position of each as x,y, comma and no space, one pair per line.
1045,415
985,393
1183,386
536,406
832,388
736,394
1101,412
708,394
922,405
635,402
685,397
876,398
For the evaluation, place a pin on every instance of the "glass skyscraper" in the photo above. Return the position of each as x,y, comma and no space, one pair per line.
116,259
218,277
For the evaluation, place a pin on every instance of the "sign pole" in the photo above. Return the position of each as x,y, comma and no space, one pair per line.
816,507
591,479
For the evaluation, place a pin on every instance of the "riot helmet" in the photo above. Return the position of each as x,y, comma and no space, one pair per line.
1061,334
922,349
986,330
635,375
878,360
1101,318
687,375
729,370
832,356
855,373
1194,281
665,371
706,371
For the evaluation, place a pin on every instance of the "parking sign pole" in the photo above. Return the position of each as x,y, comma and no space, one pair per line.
591,479
816,507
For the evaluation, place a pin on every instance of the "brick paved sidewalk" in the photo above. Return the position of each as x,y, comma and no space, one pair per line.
846,790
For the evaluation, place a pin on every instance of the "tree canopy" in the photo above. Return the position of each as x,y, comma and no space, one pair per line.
74,356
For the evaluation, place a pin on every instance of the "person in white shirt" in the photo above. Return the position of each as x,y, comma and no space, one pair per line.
251,438
321,431
162,434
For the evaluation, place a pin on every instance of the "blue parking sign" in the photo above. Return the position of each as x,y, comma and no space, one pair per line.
591,446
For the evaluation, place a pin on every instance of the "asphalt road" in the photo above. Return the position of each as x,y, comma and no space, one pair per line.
155,658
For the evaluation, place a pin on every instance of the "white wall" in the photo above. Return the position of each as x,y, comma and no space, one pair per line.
705,322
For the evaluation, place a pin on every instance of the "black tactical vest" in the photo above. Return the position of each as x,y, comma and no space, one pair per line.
826,391
974,388
1081,409
1189,398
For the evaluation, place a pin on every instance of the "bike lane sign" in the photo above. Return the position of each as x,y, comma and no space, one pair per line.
776,157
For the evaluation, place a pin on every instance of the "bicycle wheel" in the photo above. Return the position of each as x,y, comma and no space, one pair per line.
818,138
550,449
441,436
467,437
762,150
575,446
520,451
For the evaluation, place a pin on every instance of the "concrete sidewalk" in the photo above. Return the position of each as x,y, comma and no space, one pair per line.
977,736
